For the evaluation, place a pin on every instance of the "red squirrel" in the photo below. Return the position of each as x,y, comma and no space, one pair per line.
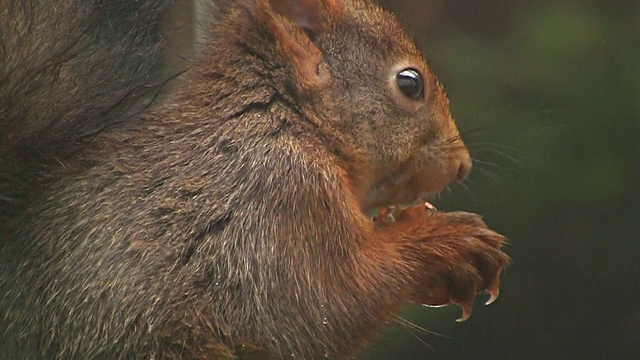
229,216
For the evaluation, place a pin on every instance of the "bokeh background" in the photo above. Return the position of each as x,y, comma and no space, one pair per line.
547,96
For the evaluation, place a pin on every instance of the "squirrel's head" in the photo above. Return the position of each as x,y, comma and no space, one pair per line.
357,75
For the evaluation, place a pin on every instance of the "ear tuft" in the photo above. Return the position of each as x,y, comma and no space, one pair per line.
314,15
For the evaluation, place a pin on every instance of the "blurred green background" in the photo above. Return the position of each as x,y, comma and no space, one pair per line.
547,96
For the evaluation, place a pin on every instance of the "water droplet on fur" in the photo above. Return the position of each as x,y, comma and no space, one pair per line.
325,321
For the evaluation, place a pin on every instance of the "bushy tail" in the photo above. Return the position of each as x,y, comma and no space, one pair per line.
68,69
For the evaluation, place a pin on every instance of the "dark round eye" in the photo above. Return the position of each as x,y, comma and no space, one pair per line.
410,83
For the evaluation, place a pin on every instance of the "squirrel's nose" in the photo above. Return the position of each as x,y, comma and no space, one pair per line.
465,166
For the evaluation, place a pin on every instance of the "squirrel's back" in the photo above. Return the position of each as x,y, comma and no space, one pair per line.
68,70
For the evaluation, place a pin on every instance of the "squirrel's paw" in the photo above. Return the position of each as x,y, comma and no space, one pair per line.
463,258
389,215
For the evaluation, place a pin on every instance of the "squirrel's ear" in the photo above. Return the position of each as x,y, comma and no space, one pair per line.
311,15
294,24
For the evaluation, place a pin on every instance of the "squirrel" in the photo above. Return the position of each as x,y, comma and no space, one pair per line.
225,213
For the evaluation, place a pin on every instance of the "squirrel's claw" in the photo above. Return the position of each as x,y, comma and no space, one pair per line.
493,289
493,292
466,310
467,307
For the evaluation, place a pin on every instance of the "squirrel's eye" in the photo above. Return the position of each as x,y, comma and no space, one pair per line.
410,83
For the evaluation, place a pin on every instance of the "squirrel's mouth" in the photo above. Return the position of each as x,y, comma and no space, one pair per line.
413,182
406,190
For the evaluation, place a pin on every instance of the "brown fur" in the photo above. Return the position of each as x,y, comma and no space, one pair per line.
229,219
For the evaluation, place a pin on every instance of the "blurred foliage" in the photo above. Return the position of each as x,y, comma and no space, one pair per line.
547,95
